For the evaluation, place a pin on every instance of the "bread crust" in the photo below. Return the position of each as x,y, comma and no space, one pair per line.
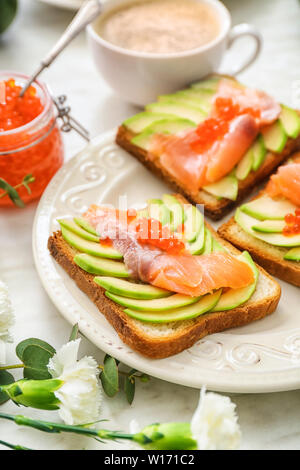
214,208
130,330
286,270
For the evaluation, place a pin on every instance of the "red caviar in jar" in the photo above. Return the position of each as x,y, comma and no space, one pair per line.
151,232
292,223
30,141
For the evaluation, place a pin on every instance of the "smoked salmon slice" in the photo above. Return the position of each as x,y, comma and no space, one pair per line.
250,98
199,169
286,182
182,273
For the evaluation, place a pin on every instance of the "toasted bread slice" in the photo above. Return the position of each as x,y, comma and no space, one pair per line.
160,341
268,256
214,208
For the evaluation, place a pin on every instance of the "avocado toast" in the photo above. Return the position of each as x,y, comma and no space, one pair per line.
151,319
188,113
268,226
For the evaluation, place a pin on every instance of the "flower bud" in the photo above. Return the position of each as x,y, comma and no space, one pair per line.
34,393
167,436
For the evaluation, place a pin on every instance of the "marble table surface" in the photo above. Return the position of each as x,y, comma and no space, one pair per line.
268,421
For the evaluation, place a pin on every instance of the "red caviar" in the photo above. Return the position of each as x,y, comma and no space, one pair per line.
151,232
214,128
292,224
30,141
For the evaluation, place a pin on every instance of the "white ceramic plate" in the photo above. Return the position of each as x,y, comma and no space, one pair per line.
66,4
261,357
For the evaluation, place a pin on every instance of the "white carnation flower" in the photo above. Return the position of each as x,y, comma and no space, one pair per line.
215,423
80,394
6,319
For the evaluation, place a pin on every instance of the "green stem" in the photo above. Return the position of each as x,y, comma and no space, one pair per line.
13,446
50,427
16,366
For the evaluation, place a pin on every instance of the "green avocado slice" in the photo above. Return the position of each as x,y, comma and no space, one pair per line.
176,210
247,222
177,109
293,254
259,153
208,242
266,208
164,126
204,305
290,121
131,289
86,246
155,305
269,226
71,225
194,221
140,121
275,137
85,225
101,266
158,210
245,165
227,187
235,297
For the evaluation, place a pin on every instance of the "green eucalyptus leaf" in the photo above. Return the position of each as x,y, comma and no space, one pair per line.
5,379
74,333
12,193
129,386
35,360
33,342
110,376
8,10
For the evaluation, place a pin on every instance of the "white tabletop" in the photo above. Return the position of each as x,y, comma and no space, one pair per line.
269,421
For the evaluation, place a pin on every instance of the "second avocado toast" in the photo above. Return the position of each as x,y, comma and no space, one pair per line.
152,320
191,112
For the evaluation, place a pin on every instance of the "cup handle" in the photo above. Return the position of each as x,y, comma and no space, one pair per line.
238,31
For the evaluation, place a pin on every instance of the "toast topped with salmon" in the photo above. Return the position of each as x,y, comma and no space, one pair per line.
269,225
162,277
213,142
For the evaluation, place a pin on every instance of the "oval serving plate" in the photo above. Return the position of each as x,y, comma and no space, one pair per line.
261,357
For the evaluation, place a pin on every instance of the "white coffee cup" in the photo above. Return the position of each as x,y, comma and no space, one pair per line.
139,77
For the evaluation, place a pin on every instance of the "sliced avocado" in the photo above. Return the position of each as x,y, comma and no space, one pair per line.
85,225
184,100
193,224
208,242
245,165
293,254
269,226
204,98
176,210
91,248
178,109
155,305
290,121
227,187
247,222
204,305
209,84
140,121
266,208
164,126
71,225
197,247
131,289
158,211
143,213
235,297
101,267
275,137
216,246
259,153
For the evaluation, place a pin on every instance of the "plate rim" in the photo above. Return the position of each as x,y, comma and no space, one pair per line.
222,381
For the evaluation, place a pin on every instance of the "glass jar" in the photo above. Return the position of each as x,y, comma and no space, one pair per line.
35,148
